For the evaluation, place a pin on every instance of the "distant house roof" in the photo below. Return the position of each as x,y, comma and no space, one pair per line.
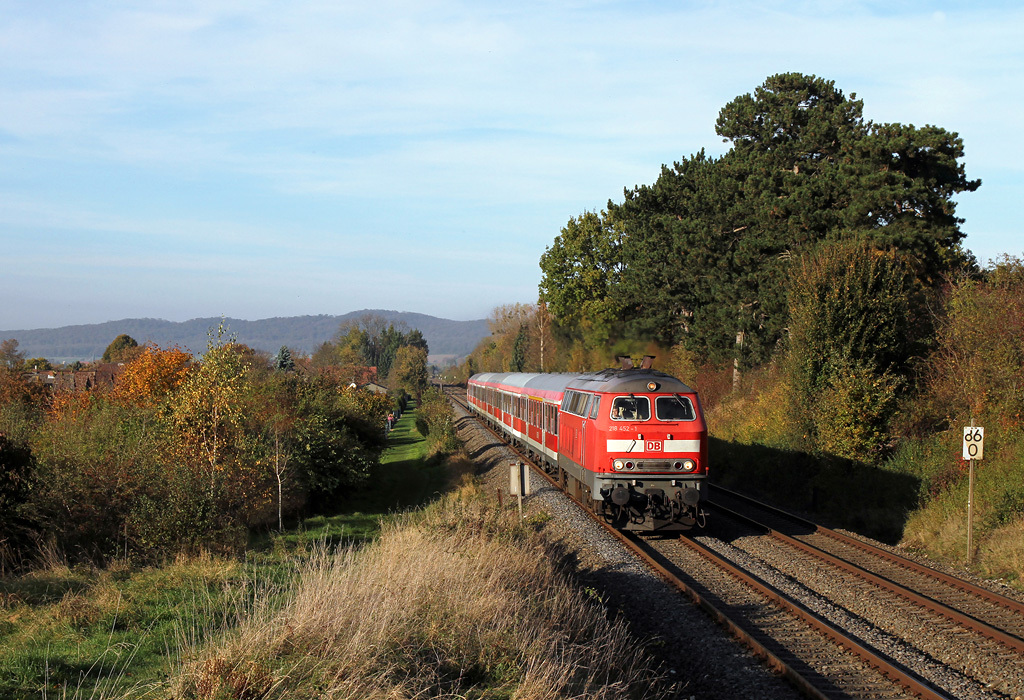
100,375
374,387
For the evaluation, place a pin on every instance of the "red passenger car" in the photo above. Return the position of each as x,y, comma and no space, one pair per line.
631,444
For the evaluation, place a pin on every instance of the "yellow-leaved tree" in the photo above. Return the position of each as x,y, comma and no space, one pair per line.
212,449
207,407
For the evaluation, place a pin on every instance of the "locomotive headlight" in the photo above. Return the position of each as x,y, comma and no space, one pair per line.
617,464
689,465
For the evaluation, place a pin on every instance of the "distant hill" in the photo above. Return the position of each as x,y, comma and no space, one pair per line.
445,338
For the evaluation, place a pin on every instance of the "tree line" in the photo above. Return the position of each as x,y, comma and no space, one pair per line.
397,354
702,256
189,452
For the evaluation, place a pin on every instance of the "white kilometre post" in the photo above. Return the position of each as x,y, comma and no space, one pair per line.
974,448
519,483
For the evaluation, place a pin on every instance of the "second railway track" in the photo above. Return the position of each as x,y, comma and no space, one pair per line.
949,627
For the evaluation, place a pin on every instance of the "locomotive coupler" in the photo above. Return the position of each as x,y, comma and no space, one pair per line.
623,495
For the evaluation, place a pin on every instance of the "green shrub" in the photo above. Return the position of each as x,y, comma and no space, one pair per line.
851,413
438,423
852,333
94,460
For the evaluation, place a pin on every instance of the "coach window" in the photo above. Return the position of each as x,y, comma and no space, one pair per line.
631,408
673,408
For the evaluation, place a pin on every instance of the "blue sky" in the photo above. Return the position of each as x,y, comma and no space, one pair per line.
254,159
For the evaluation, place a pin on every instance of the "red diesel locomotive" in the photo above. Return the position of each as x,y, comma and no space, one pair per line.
631,444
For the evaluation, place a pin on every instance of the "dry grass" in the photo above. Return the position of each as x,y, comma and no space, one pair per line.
460,469
941,531
940,528
1002,554
458,602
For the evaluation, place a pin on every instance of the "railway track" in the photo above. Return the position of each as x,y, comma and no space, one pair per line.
953,623
823,657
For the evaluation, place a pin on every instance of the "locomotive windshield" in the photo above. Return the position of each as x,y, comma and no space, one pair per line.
631,408
673,408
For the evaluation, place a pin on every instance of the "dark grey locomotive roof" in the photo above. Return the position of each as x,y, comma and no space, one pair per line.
623,381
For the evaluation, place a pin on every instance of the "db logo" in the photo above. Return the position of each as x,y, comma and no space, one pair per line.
653,446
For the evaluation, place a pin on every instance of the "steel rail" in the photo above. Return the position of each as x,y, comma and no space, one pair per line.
894,672
991,596
1010,640
888,668
962,619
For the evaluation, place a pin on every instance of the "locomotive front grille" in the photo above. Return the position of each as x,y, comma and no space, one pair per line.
676,466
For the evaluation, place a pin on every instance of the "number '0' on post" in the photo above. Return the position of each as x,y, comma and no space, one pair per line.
974,442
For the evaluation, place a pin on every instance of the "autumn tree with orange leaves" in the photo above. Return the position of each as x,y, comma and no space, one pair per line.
152,376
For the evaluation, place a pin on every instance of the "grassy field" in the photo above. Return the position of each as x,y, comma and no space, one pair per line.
84,632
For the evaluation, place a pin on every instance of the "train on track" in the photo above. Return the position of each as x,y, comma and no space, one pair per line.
629,443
